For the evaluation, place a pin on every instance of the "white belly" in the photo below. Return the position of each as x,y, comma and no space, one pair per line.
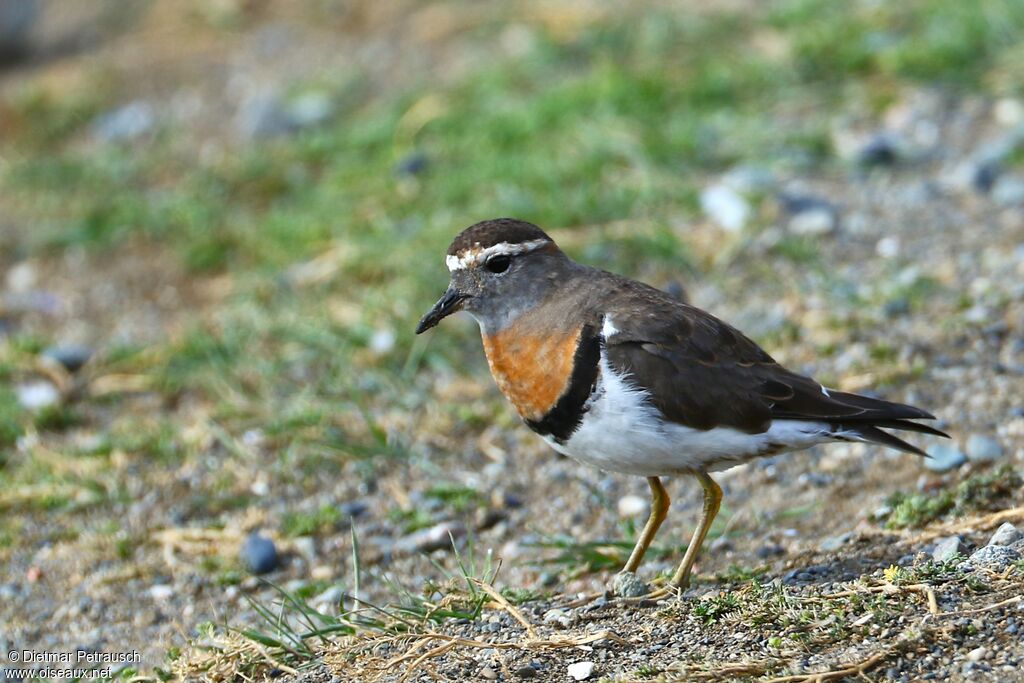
623,432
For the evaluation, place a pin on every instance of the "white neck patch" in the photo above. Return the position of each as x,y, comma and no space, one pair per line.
475,255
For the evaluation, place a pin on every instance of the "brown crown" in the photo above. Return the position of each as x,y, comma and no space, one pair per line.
488,233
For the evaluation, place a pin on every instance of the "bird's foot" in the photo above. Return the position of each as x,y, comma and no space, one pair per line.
628,585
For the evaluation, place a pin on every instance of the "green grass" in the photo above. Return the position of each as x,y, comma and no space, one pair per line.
981,492
614,122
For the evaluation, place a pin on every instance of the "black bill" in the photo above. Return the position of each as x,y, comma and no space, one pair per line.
450,303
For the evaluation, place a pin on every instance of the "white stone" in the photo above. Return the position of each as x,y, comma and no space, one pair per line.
581,671
21,277
161,592
726,207
382,341
977,654
558,617
888,247
37,395
813,222
633,506
1009,111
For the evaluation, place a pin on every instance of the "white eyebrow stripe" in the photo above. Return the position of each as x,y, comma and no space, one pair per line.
475,255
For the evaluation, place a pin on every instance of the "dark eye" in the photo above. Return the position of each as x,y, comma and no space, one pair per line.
498,264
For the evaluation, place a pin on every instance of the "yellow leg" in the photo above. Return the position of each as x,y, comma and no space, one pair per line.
712,501
659,511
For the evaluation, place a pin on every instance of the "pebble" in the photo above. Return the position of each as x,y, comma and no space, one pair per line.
880,150
633,506
161,592
266,115
412,164
836,542
382,341
981,448
809,215
816,222
310,109
725,206
888,247
994,557
526,672
581,671
262,116
1006,534
1008,190
489,673
21,277
71,356
437,537
949,547
558,617
977,654
355,508
628,585
943,457
770,550
126,123
17,23
37,395
259,554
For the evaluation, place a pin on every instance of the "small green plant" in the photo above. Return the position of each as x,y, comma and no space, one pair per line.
711,610
323,520
981,492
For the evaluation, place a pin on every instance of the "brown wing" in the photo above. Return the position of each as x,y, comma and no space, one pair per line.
704,373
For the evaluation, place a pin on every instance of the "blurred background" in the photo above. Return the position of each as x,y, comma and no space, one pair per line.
221,219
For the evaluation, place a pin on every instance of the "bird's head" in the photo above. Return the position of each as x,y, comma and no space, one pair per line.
499,268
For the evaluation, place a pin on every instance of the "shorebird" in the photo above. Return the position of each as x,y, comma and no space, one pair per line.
623,377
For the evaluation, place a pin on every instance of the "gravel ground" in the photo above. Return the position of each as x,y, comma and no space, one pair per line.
916,284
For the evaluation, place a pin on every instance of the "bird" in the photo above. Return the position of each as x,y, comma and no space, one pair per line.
623,377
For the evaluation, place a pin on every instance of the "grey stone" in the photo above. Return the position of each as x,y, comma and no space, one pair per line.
526,672
71,356
836,542
412,164
310,109
994,557
17,21
266,115
948,548
628,585
748,179
880,150
262,116
1006,534
943,457
259,554
559,617
981,448
1008,190
809,215
355,508
129,122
